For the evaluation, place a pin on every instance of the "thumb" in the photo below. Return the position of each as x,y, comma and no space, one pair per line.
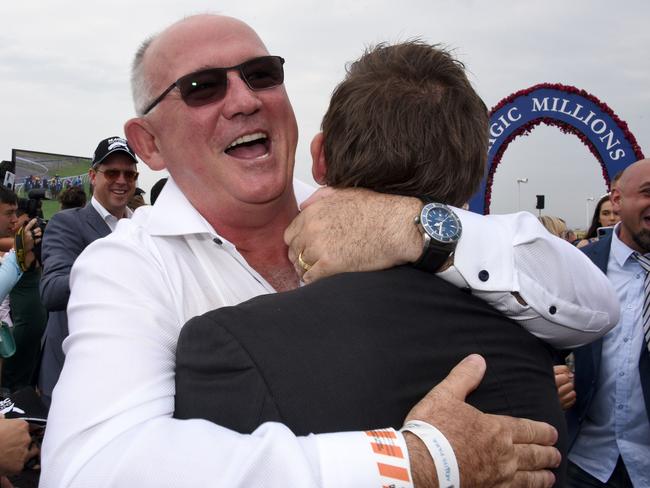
464,378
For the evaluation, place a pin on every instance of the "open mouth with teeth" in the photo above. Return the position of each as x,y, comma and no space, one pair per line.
249,146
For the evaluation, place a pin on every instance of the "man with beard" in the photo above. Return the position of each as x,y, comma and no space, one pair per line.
609,426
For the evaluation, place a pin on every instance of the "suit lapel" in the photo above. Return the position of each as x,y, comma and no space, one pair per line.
95,221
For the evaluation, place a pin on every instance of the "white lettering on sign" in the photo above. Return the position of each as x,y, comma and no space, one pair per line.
567,107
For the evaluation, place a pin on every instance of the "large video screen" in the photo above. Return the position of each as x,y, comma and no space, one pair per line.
52,172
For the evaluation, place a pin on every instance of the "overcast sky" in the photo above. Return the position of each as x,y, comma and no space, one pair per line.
64,70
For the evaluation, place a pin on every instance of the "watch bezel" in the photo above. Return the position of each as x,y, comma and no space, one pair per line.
431,232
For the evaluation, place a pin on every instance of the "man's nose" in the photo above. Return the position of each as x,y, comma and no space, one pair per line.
239,99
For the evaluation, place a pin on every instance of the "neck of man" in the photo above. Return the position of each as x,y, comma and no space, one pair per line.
257,230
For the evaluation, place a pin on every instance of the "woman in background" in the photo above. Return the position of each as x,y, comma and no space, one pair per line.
604,216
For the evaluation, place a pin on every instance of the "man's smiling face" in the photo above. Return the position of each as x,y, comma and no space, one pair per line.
113,194
239,149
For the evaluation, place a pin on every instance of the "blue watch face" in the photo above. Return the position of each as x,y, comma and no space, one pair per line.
440,222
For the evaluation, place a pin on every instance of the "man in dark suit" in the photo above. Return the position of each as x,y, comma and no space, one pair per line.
357,350
113,178
609,426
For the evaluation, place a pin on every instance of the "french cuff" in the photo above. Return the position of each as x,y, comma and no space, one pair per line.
484,255
563,323
370,459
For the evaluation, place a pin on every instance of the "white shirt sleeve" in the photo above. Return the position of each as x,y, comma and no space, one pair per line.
568,300
111,425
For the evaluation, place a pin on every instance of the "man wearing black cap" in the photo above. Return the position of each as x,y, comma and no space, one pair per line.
113,178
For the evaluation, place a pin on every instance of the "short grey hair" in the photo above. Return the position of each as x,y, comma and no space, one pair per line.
140,85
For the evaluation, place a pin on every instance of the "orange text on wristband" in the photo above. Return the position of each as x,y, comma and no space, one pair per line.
389,449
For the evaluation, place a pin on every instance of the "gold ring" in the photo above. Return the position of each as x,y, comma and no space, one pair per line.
302,263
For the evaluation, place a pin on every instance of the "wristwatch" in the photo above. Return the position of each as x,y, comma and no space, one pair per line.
441,229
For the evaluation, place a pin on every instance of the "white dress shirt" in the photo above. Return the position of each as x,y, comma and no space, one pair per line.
110,219
111,422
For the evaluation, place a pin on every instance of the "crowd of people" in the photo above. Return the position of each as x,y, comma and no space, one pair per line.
175,345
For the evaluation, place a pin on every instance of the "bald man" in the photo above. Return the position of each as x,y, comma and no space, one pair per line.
610,424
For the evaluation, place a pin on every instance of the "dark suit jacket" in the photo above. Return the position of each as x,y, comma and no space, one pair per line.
587,358
356,351
67,234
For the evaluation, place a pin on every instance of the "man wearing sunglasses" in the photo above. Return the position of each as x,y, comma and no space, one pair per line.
113,179
212,109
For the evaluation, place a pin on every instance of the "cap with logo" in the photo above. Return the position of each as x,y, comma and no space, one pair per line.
109,146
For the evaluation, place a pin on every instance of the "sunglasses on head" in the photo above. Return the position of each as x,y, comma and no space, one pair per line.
210,85
114,174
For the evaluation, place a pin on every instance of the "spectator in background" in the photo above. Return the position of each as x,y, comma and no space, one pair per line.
156,189
113,178
12,266
555,225
72,197
604,216
609,426
137,200
29,318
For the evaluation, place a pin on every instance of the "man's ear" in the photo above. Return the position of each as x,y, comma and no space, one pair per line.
318,165
140,136
92,174
615,198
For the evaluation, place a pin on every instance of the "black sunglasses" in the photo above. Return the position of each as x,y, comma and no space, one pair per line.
114,174
210,85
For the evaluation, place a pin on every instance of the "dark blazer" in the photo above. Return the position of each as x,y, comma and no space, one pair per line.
356,351
67,234
587,358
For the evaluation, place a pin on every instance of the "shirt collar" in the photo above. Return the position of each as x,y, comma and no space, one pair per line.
621,251
105,214
173,214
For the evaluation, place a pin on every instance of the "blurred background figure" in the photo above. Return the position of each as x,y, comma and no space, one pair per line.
113,176
555,225
73,197
604,216
156,189
137,200
29,318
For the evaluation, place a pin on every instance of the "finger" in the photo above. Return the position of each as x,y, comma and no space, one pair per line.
565,389
30,224
464,378
319,194
568,401
293,238
533,479
532,457
560,368
526,431
33,451
561,379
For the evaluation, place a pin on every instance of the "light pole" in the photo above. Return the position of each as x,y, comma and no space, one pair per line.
519,182
587,212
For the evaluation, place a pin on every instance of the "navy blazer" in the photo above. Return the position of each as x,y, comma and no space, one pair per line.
587,358
67,234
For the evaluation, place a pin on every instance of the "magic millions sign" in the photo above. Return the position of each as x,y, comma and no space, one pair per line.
573,111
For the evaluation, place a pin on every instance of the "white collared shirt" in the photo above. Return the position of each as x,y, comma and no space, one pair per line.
110,219
111,418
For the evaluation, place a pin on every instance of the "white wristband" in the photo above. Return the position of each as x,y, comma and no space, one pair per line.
441,452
